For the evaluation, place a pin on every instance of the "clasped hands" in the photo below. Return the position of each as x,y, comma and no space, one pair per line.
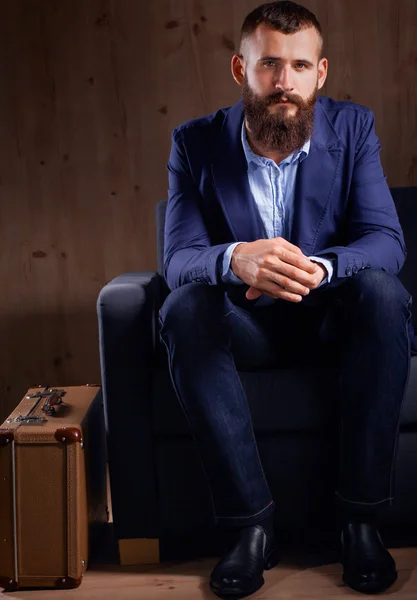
276,268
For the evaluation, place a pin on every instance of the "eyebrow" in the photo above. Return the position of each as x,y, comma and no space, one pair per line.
278,58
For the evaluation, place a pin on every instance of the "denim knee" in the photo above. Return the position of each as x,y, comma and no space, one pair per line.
190,304
378,291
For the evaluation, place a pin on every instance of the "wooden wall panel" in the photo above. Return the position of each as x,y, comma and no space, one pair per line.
89,94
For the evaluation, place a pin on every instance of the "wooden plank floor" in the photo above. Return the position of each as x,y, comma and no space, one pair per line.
293,579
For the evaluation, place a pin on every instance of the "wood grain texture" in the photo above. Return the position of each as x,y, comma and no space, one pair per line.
295,578
89,95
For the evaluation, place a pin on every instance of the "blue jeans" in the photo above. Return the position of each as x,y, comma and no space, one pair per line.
363,320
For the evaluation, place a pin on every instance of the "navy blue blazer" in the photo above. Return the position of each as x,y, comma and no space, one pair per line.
343,208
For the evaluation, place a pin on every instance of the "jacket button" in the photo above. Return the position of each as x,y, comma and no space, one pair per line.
348,271
355,269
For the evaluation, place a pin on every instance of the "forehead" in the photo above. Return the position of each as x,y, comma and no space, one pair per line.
265,41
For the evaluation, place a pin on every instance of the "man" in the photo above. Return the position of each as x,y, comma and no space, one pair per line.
281,230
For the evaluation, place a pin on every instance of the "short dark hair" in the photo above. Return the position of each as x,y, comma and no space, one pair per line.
282,15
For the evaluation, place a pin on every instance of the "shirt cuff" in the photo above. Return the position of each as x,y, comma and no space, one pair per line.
328,264
227,274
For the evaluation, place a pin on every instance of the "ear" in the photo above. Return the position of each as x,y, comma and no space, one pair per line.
238,68
322,71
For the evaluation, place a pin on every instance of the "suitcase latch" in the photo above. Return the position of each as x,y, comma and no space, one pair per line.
27,420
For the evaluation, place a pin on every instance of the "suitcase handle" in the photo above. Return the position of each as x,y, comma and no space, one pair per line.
52,401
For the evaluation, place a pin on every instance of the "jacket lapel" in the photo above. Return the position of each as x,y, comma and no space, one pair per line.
229,170
316,179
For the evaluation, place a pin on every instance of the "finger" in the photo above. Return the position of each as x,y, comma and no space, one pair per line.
296,260
290,285
253,293
301,277
300,261
308,281
290,272
291,297
272,290
288,246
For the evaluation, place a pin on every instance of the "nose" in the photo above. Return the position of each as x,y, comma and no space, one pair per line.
283,79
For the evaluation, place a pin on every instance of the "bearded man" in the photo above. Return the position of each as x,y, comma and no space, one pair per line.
281,233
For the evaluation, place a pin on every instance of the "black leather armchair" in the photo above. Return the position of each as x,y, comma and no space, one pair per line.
159,493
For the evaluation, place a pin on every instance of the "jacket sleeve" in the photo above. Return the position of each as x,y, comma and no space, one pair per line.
188,253
374,235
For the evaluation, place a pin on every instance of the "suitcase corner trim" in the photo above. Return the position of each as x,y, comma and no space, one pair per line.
9,584
6,436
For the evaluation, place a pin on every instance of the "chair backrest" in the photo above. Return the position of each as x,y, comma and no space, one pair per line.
405,199
161,209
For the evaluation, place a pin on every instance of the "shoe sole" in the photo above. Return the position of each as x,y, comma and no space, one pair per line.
372,587
271,561
235,593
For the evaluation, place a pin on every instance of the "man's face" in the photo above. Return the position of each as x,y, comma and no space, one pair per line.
280,75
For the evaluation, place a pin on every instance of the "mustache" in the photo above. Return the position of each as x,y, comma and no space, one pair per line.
278,96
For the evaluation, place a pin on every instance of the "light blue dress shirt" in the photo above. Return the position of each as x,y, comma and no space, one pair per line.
272,188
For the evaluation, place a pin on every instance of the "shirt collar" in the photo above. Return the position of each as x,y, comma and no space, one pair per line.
299,155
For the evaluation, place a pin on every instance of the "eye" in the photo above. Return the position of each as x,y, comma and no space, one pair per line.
269,63
300,66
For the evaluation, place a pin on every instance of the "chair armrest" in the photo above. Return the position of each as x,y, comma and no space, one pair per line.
127,309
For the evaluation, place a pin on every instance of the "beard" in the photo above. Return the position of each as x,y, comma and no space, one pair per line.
279,131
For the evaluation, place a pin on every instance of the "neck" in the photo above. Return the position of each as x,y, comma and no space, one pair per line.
256,147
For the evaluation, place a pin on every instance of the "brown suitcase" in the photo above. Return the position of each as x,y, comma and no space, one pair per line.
53,486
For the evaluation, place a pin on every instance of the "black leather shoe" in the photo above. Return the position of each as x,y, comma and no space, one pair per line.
367,566
239,571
